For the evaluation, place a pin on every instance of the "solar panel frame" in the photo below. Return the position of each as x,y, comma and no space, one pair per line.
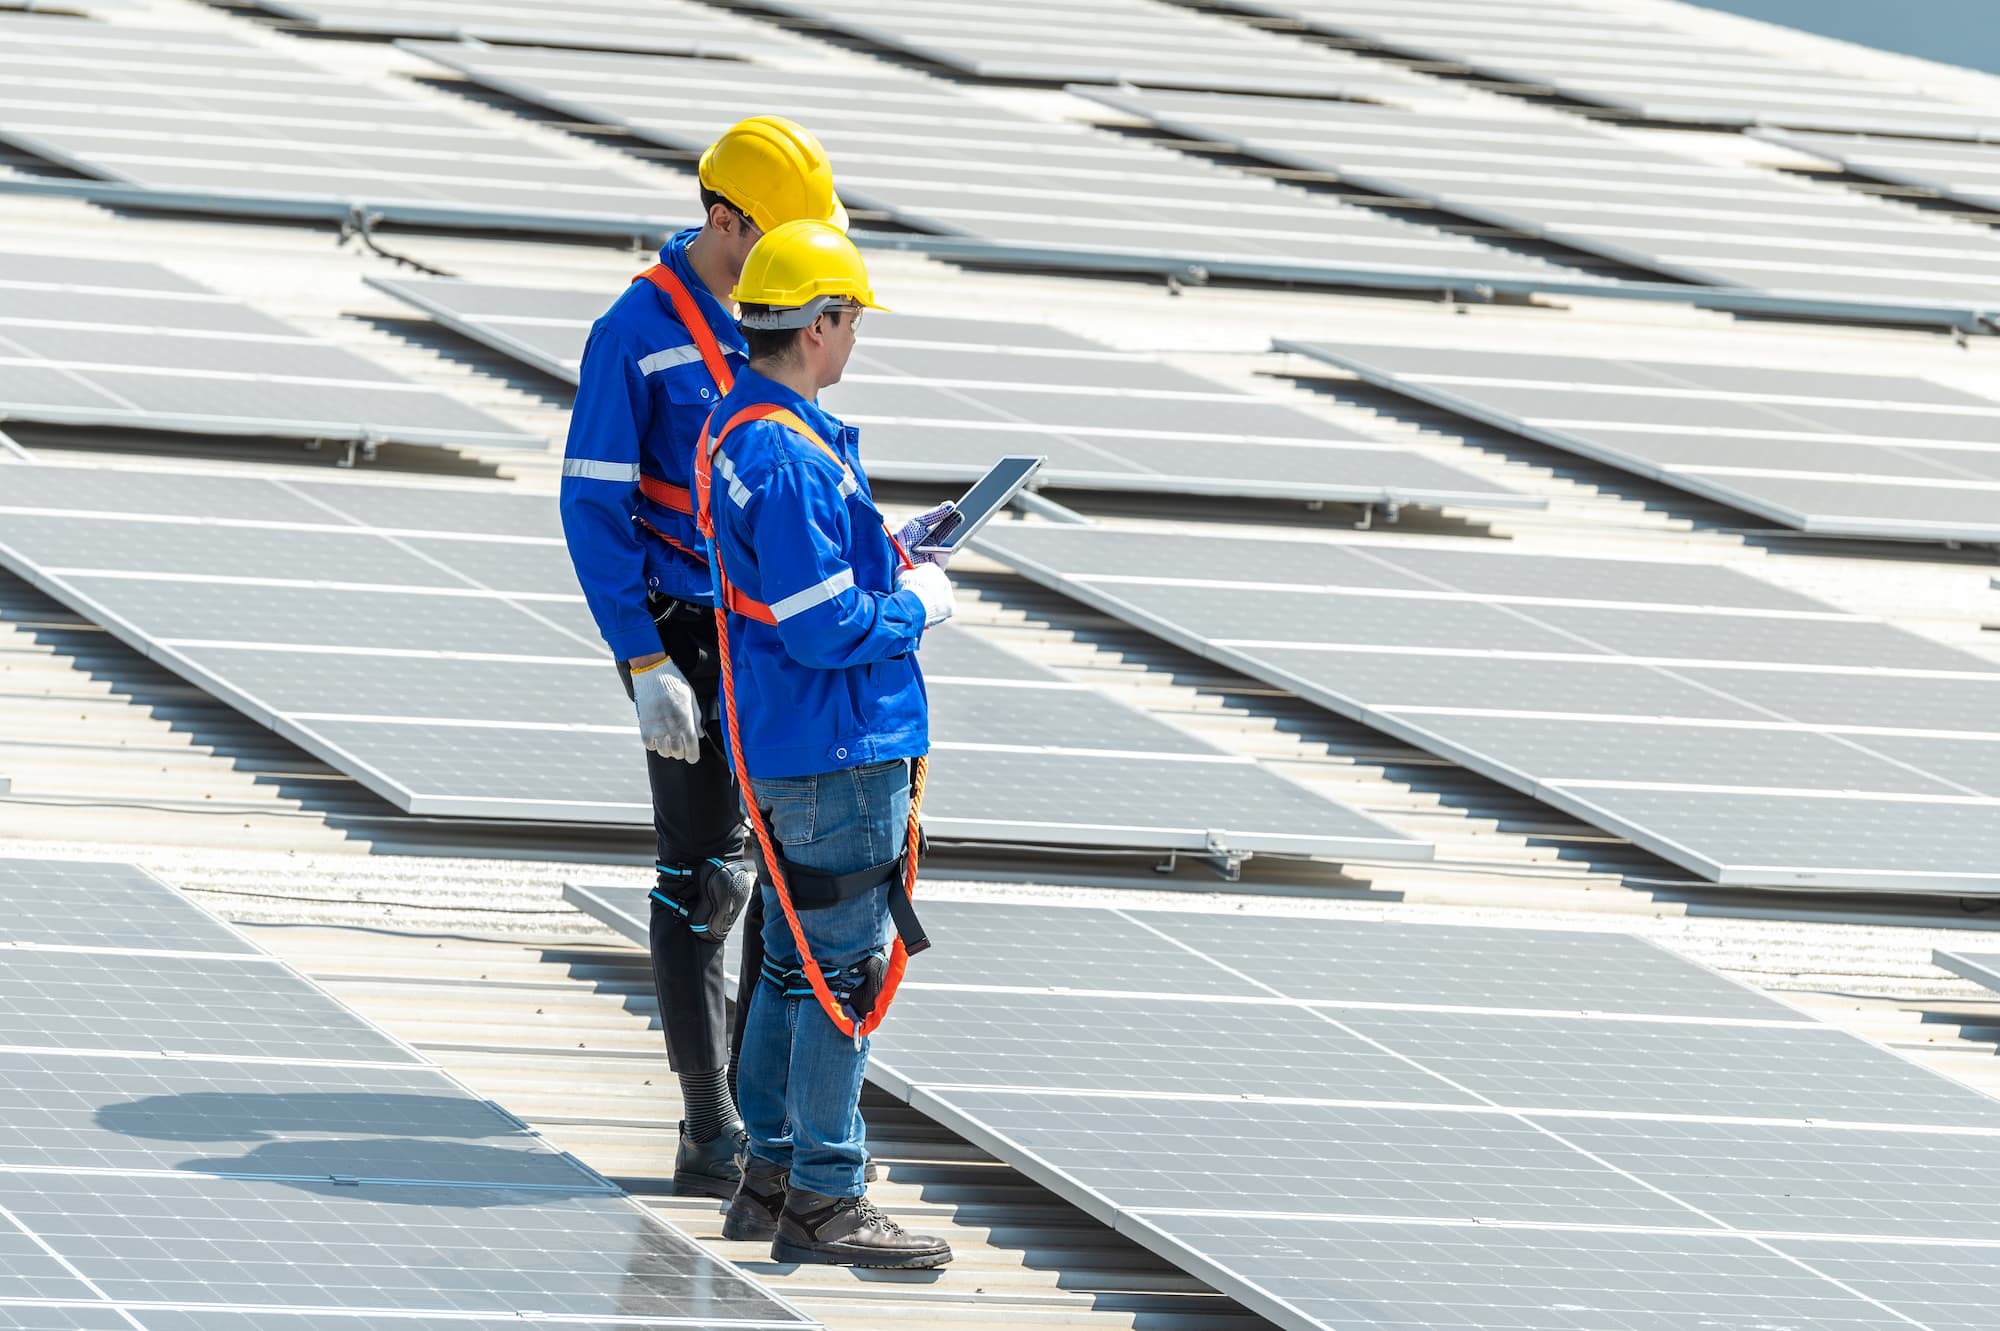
1745,482
1675,822
1333,469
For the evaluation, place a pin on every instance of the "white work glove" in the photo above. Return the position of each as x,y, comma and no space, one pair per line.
669,721
933,588
918,530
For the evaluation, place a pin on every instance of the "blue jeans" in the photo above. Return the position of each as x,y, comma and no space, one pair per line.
798,1085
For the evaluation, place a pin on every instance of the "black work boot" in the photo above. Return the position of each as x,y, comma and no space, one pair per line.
708,1169
760,1199
849,1231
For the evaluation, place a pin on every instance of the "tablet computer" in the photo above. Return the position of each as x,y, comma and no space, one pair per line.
988,496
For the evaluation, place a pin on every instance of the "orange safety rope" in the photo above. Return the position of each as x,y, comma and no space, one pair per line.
899,958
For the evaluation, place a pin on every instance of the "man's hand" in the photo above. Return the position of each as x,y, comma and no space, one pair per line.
933,588
669,721
918,530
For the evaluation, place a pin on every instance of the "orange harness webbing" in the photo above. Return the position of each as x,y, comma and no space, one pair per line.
690,315
899,957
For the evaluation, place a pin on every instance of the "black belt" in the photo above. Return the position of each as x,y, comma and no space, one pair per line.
812,889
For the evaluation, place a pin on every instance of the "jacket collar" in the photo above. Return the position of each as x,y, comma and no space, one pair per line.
674,255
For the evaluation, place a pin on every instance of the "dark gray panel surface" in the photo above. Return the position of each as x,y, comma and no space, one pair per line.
1816,480
1380,962
63,1317
1810,1180
1600,191
165,363
324,1245
1142,1154
60,1111
939,1038
930,411
89,903
1944,1288
1418,658
1339,1274
1044,192
197,120
215,1005
1646,1067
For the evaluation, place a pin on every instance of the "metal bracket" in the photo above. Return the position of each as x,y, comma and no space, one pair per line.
1227,863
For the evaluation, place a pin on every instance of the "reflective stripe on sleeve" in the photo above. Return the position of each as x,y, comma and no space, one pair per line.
817,594
738,491
666,360
624,473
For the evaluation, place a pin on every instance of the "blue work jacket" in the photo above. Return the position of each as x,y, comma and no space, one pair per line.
833,683
641,401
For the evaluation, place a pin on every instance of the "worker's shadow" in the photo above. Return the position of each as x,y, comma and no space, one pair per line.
348,1144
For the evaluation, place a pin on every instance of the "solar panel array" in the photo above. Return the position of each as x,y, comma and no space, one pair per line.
1749,734
1345,1124
1609,193
432,643
194,1135
1108,41
938,399
1967,172
1606,56
941,159
198,120
664,27
121,343
1864,455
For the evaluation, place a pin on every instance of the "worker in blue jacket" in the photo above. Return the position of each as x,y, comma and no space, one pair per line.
655,366
826,615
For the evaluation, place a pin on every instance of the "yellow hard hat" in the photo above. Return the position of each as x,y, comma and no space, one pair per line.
797,269
775,171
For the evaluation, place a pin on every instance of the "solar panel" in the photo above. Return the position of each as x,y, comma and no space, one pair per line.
1847,454
939,398
453,668
1715,720
1110,41
1608,193
991,182
1598,54
194,119
84,903
1978,967
119,343
1638,1143
208,1138
1967,172
662,27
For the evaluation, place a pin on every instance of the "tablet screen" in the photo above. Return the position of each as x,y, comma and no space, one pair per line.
987,497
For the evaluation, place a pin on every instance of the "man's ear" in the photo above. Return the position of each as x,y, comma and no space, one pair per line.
721,217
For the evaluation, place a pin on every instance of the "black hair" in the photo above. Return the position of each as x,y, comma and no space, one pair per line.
776,343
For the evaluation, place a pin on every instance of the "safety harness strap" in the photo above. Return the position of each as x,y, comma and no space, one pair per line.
813,890
696,323
907,940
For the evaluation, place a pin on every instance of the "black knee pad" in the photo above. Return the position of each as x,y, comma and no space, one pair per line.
708,896
867,991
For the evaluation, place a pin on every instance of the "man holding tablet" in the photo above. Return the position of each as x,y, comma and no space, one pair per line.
829,725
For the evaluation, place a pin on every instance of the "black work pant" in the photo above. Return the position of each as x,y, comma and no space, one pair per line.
697,815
